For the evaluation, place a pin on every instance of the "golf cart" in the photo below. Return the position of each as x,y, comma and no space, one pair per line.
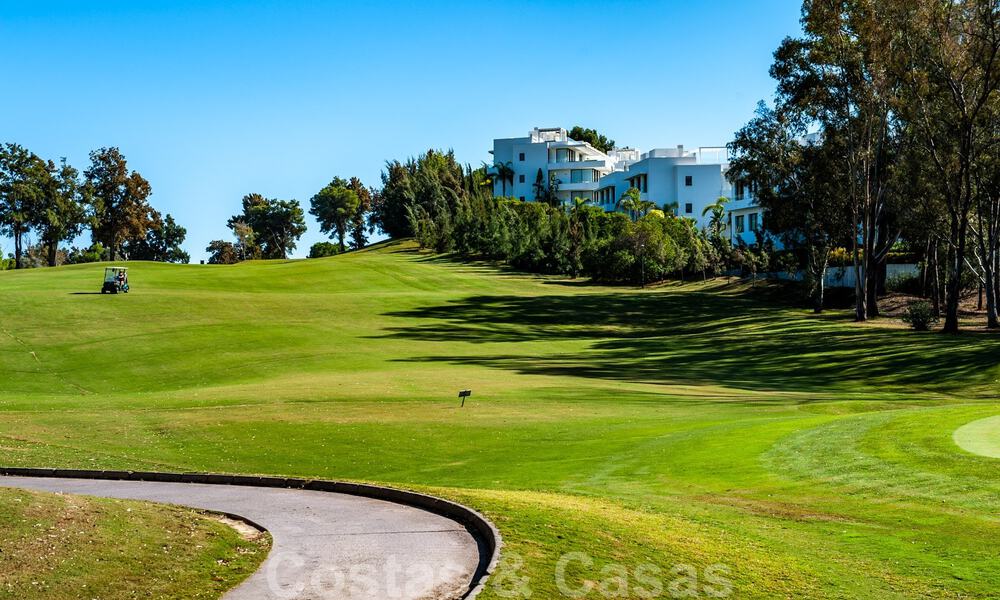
115,280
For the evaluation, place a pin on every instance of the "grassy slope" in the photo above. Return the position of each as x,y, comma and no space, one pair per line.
688,424
69,547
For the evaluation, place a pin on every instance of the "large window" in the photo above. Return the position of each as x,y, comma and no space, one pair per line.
583,176
753,221
564,155
740,226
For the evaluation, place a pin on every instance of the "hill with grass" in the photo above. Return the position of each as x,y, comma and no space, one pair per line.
697,428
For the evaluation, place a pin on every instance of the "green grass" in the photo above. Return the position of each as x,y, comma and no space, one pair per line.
691,424
70,547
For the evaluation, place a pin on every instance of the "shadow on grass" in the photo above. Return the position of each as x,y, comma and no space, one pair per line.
701,338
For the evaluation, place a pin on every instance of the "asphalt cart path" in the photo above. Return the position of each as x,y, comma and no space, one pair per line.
325,545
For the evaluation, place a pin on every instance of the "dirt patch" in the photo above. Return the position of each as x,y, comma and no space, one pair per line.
777,510
247,531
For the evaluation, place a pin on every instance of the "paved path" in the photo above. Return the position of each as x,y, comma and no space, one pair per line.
325,545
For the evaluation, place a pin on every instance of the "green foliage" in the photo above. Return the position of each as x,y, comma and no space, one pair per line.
95,253
276,225
336,207
904,283
592,137
61,213
222,252
920,315
324,249
119,201
162,242
21,172
360,226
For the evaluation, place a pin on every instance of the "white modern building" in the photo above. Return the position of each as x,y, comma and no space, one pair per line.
676,180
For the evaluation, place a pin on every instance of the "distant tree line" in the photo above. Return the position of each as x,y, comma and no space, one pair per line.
44,204
903,99
271,228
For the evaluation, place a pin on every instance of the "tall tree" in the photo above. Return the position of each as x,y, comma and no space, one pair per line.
799,184
119,201
389,205
334,207
61,214
951,72
277,224
838,75
162,242
359,220
21,175
592,137
504,172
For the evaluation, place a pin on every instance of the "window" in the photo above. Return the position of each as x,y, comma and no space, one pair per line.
522,198
563,155
753,221
740,190
583,176
688,181
520,157
739,224
688,208
520,178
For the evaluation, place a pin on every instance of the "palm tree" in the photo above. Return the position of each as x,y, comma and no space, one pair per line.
717,224
632,203
671,207
504,173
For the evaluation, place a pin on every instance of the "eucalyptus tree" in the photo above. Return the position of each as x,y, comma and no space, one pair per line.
950,68
799,182
838,77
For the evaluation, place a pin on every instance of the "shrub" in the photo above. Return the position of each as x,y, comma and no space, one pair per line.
904,283
321,249
920,315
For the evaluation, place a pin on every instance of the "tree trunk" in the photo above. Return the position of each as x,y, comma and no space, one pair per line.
937,284
860,295
53,249
956,264
820,290
17,247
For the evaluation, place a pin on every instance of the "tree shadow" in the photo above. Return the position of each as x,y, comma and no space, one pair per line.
701,338
84,293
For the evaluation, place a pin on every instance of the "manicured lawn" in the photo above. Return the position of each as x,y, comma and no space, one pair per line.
688,426
70,547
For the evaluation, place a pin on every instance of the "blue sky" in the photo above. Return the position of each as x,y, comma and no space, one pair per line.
210,100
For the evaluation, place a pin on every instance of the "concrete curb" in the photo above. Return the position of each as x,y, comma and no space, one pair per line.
486,534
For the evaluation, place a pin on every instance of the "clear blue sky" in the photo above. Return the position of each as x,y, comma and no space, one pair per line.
210,100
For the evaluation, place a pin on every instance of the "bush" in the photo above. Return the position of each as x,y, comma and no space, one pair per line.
920,315
321,249
904,284
95,253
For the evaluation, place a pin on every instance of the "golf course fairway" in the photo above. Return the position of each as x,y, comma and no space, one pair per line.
703,437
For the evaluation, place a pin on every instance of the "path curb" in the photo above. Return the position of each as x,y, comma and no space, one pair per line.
486,534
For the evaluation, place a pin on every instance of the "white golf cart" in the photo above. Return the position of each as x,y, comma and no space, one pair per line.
115,280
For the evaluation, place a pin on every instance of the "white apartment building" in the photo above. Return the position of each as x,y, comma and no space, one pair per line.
675,179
